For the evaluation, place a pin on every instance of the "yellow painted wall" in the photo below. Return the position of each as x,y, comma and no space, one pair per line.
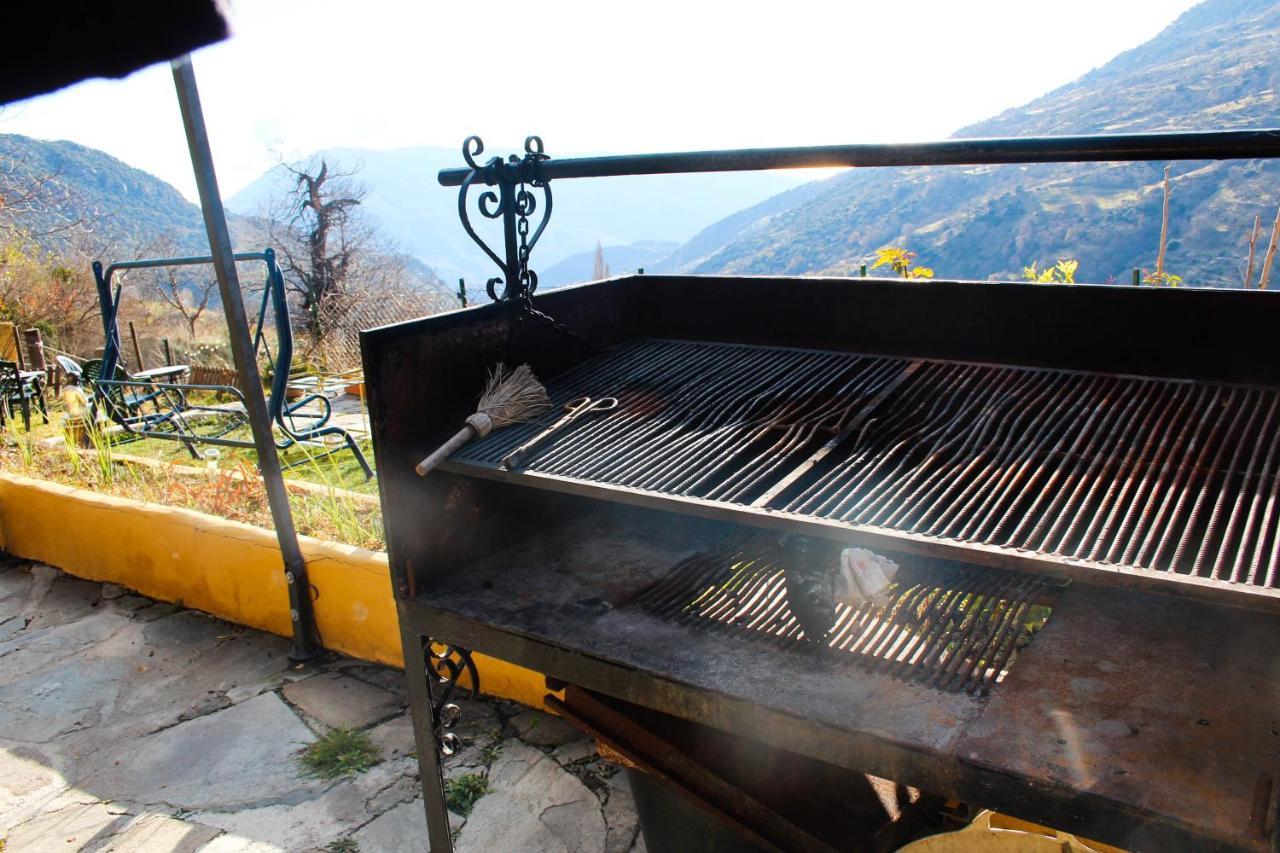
226,568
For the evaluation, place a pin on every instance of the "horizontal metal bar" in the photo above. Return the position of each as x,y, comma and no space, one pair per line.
172,386
1208,145
191,439
197,260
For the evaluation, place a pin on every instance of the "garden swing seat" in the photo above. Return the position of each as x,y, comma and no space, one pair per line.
143,406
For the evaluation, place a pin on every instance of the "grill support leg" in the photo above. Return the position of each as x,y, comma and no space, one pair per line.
424,723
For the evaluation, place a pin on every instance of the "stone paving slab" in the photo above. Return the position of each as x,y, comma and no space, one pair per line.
79,826
536,803
237,758
342,702
129,725
156,832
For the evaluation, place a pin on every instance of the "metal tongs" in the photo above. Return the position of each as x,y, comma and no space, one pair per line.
573,410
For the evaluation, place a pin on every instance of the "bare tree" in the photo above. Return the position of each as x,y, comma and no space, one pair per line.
1164,223
37,204
600,267
52,293
1253,246
320,237
1270,257
184,289
339,268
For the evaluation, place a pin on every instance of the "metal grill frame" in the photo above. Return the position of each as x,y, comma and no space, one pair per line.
878,378
441,526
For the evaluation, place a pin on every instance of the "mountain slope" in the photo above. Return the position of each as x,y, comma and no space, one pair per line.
421,216
115,202
1216,67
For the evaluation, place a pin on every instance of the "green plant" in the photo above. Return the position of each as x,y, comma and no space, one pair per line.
22,442
330,508
1063,272
462,792
343,845
102,455
491,751
338,752
1160,278
901,261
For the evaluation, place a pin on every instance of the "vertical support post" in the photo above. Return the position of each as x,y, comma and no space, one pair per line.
137,350
168,353
1137,277
462,292
306,645
35,349
513,287
862,271
17,349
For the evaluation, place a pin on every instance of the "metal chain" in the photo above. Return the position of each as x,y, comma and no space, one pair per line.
527,310
529,279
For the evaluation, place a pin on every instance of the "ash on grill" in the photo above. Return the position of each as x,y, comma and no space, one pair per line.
949,627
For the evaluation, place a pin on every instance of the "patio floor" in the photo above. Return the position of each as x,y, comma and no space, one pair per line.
132,725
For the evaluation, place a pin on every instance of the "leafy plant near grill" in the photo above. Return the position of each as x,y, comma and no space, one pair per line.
1063,272
462,793
339,752
1160,278
901,261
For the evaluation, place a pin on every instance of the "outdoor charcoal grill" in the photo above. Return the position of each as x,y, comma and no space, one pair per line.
1107,458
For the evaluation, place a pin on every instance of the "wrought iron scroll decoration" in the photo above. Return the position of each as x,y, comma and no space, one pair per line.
445,664
514,203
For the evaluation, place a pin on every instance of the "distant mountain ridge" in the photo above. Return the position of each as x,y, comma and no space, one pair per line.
421,216
1216,67
619,259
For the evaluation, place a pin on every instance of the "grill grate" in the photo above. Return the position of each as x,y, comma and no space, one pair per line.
954,628
1098,470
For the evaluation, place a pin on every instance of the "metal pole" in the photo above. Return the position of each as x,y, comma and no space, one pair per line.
137,350
305,637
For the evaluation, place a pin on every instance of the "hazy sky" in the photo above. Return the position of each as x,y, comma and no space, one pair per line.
301,75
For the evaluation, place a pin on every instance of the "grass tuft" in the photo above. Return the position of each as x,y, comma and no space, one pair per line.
462,793
340,752
343,845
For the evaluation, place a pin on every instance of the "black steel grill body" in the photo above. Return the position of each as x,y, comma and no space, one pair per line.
993,438
1064,430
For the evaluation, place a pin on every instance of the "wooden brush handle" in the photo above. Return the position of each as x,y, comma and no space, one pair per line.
445,450
478,426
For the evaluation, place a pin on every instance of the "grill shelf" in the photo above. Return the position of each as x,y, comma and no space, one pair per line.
1132,478
955,628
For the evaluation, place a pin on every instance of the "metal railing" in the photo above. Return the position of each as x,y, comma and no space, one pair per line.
521,179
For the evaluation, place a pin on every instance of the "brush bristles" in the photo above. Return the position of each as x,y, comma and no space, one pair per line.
512,397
